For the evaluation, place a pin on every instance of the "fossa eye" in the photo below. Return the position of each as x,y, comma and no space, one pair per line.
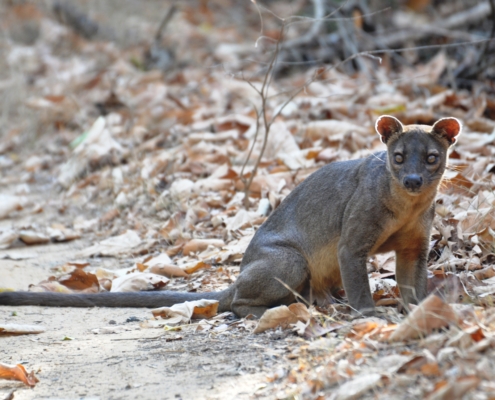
432,159
399,159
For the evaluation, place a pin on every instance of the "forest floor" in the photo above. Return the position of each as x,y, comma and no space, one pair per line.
122,168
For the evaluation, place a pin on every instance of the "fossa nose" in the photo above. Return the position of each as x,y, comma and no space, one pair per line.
413,182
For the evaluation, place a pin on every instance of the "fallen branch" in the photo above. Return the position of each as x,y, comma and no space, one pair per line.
466,17
158,56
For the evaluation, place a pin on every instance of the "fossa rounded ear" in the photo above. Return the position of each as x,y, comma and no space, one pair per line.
387,126
449,128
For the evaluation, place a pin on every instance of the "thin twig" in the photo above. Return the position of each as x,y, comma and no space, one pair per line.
166,19
295,293
431,46
243,179
263,94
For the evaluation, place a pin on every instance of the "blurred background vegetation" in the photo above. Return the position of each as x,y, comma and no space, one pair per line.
453,39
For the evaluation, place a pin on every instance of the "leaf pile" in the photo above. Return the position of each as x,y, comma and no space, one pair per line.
407,359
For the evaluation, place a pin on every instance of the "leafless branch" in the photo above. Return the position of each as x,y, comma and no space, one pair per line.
263,92
166,19
474,14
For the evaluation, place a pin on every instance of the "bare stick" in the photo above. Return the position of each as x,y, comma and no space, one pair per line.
166,19
243,179
296,295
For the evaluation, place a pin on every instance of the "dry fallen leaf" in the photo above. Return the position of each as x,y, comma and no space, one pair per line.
394,362
455,389
7,237
139,281
19,373
355,388
33,237
161,259
113,246
485,273
317,328
328,128
9,203
169,271
18,329
182,313
194,266
198,245
81,281
431,369
62,234
432,313
96,144
364,327
282,316
50,286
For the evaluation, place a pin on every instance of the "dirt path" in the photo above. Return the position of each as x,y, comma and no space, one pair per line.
139,363
132,363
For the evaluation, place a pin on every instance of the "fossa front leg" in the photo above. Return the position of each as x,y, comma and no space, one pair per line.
411,271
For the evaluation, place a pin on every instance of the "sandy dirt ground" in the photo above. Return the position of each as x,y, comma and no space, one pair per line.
134,362
139,363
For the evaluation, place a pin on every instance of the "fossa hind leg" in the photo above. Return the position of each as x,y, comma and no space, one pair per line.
258,286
